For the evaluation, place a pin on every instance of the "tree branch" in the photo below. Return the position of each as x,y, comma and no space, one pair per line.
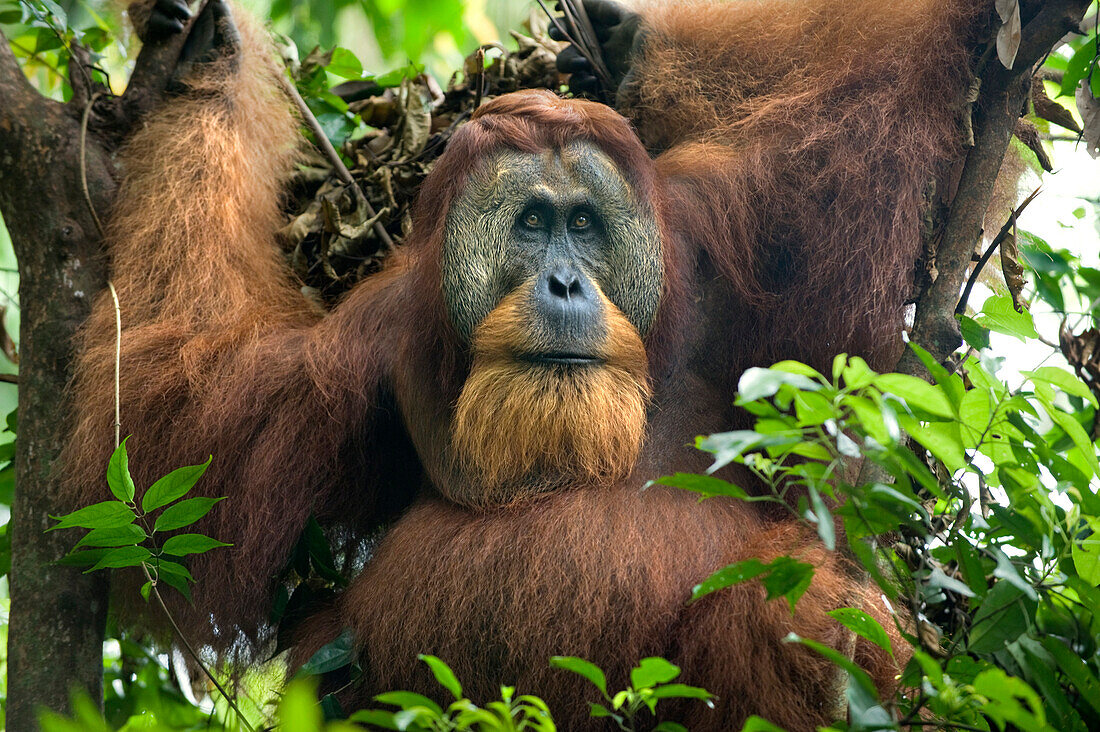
1003,96
55,637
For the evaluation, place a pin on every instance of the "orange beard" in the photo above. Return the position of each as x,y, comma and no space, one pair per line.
522,428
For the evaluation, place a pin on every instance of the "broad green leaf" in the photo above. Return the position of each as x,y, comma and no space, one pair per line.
1084,680
345,64
184,513
443,674
704,484
166,567
118,474
374,718
942,439
937,578
1064,380
787,578
409,700
584,668
172,486
759,724
863,625
183,544
999,315
652,671
1086,555
105,515
976,336
757,383
127,535
1002,618
1003,693
917,393
681,691
1076,433
298,708
126,556
729,575
335,654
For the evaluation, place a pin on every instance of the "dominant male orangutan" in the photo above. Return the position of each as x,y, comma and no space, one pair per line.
578,297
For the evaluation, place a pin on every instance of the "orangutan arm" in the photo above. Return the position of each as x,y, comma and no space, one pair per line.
221,354
797,140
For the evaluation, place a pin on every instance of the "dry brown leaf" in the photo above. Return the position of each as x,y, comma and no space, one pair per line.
1012,270
1050,110
1089,107
1008,36
1027,133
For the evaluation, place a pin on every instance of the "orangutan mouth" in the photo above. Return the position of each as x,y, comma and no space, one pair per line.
562,359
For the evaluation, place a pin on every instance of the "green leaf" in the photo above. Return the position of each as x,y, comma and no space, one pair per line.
1086,555
823,518
172,486
861,683
335,654
443,674
1076,433
345,64
1003,617
757,383
999,315
788,578
917,393
1064,380
183,544
863,625
184,513
127,535
126,556
118,474
942,439
409,700
729,575
759,724
703,484
105,515
975,335
167,567
681,691
1078,672
584,668
652,671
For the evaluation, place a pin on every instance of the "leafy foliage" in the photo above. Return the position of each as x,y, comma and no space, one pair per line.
123,534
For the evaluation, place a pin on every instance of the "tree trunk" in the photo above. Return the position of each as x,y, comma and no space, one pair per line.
55,637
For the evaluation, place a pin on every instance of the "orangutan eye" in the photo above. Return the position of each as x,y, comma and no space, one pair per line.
532,219
581,221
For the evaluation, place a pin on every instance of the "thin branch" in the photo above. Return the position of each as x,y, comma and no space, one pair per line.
342,171
15,90
1003,96
145,568
960,309
84,188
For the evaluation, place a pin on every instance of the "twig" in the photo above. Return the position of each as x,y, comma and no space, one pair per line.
144,567
9,378
118,362
84,183
960,309
342,171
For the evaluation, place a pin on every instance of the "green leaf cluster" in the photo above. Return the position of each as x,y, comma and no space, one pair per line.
123,533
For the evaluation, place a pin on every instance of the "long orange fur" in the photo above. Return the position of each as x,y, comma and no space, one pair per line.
795,140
